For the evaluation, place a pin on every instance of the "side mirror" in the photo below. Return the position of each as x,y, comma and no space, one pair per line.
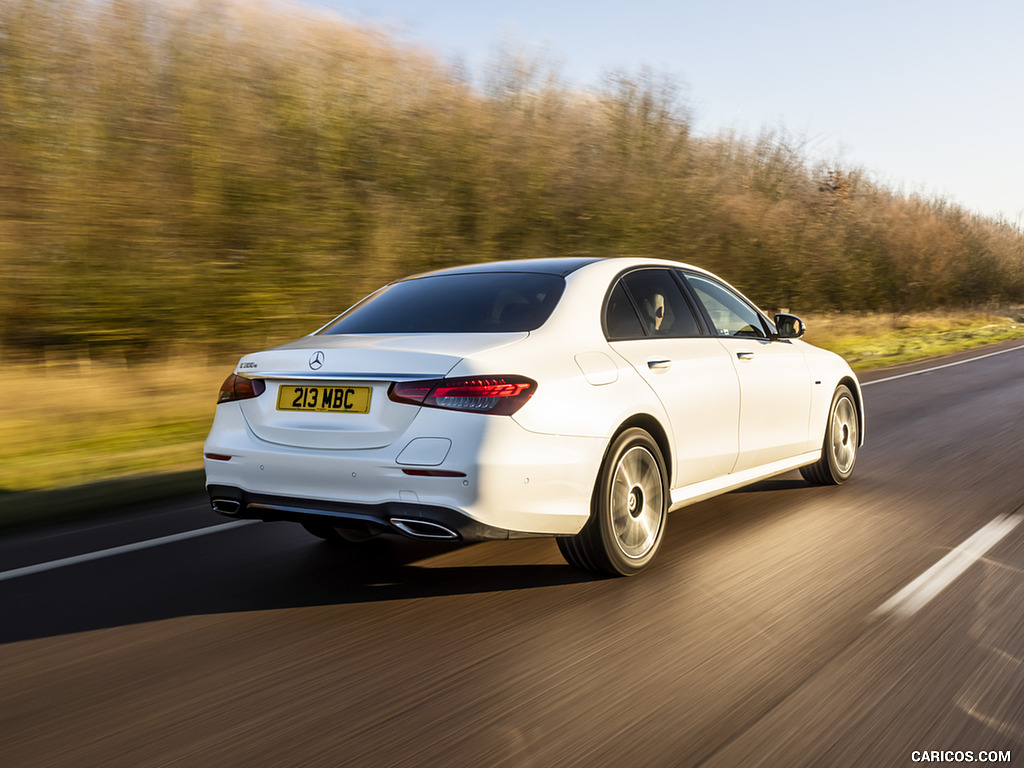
789,326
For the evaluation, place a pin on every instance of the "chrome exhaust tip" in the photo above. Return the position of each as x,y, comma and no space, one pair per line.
424,529
226,506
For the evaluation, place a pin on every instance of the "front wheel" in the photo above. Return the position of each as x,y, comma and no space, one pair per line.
628,510
842,439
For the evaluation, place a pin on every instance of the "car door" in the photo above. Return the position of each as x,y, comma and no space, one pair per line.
651,323
775,386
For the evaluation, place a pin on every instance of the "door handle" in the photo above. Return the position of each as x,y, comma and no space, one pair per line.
659,363
746,356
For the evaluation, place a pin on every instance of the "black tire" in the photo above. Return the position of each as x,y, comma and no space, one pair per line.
628,510
842,439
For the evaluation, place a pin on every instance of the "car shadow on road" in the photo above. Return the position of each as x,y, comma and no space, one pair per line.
277,566
266,567
775,484
398,569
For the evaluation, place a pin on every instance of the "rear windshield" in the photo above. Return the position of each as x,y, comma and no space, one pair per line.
488,302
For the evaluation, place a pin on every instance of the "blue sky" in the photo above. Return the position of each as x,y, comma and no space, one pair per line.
925,95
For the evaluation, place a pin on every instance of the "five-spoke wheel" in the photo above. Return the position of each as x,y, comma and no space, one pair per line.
628,509
842,439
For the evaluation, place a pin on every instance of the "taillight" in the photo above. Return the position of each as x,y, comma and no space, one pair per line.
240,388
502,395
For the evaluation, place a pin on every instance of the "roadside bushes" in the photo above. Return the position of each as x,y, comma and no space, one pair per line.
222,170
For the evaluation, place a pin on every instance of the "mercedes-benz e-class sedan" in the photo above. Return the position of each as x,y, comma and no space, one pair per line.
579,398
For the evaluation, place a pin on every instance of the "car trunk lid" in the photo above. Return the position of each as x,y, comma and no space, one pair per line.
331,392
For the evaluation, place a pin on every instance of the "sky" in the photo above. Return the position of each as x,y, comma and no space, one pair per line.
926,95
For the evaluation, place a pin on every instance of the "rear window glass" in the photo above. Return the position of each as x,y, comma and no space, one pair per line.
488,302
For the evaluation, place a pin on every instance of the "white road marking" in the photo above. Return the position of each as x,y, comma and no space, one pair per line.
940,367
921,590
40,567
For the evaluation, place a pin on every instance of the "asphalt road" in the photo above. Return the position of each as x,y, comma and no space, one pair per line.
765,633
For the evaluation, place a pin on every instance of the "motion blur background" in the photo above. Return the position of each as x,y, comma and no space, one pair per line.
181,182
185,181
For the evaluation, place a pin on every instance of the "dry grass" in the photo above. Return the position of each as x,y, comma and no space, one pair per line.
877,340
65,423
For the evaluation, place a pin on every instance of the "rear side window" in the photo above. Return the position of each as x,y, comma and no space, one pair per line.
649,302
620,318
486,302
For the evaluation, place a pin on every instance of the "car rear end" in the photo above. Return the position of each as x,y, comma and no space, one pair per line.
410,433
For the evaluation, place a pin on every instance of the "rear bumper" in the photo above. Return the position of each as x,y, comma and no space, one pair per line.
497,480
415,521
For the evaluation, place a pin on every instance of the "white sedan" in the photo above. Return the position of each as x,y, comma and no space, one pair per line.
580,398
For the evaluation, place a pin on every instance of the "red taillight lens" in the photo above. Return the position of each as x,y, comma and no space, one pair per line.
502,395
240,388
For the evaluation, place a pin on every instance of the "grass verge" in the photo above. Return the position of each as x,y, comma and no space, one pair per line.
81,439
28,509
877,340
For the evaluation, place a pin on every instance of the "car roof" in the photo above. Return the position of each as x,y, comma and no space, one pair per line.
554,266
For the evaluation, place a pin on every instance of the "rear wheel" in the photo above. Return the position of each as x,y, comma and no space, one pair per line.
628,510
842,438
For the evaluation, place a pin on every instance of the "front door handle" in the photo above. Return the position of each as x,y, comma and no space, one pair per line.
747,356
659,363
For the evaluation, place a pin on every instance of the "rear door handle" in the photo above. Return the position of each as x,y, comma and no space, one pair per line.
745,355
659,363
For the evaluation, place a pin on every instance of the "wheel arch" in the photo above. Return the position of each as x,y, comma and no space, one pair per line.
653,427
858,399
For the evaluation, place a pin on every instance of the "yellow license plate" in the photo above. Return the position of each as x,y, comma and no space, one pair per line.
324,399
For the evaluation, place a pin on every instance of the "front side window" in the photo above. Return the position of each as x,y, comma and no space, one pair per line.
649,303
480,302
730,314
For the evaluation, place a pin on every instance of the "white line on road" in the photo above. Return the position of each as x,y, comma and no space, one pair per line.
30,569
921,590
940,367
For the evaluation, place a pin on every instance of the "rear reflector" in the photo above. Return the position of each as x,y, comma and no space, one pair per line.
433,473
217,456
502,395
